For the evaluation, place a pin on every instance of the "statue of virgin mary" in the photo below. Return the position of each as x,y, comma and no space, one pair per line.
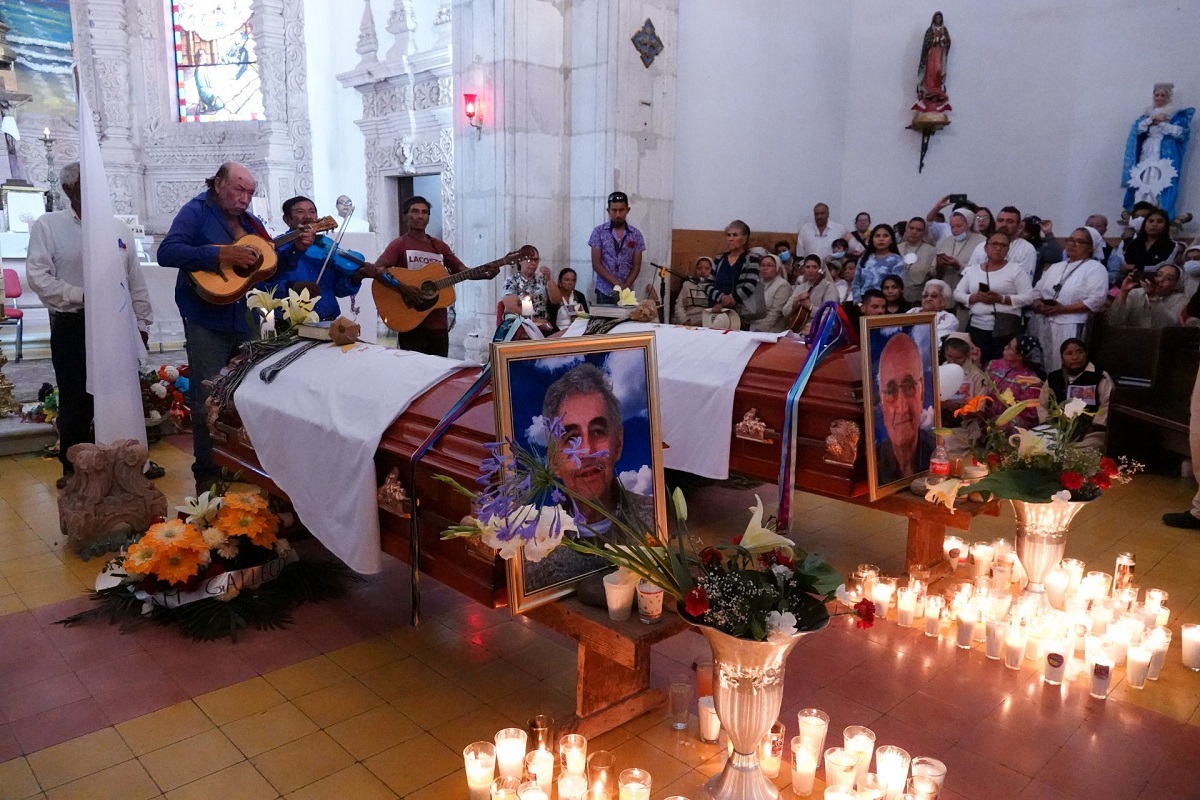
1154,152
931,70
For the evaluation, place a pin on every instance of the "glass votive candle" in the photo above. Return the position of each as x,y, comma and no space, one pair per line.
539,768
804,765
928,775
840,793
1137,667
602,775
618,595
954,549
1074,568
1101,672
635,784
1101,583
982,554
770,750
1002,573
1119,638
1002,548
1056,586
572,754
649,602
1190,646
906,607
812,727
510,752
934,604
968,618
994,643
479,761
505,788
532,790
1159,642
882,594
710,723
861,742
572,787
1156,603
866,576
1014,645
870,787
1054,665
539,727
891,763
841,767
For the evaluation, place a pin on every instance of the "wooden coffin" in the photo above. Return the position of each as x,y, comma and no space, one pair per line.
834,395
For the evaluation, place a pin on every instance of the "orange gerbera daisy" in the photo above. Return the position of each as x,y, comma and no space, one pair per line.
179,566
259,527
247,501
140,558
175,534
973,406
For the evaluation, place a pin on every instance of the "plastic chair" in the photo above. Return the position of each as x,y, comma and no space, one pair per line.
12,314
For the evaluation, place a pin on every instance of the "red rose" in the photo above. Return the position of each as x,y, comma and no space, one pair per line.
783,559
1102,480
1072,480
864,610
1109,467
737,539
696,602
710,557
993,460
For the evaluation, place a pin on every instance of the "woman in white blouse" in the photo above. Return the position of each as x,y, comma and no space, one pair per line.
996,291
1067,294
934,296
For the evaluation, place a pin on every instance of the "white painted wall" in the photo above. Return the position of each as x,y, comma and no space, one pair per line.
786,103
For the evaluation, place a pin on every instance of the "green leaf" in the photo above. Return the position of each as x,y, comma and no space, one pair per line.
1029,485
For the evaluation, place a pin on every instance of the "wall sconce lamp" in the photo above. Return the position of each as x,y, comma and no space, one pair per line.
474,118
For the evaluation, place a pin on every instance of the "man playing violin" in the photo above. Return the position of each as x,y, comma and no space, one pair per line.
301,263
202,238
416,249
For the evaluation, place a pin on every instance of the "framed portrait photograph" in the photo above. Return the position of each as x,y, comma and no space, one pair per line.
603,390
900,392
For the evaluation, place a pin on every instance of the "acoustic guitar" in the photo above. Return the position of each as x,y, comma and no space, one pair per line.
436,287
230,284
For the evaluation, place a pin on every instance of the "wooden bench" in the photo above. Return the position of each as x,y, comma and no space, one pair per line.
612,681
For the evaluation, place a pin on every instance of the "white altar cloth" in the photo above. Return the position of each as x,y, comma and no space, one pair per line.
698,373
316,427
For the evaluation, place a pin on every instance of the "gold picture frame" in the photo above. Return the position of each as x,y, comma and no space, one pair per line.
902,409
528,376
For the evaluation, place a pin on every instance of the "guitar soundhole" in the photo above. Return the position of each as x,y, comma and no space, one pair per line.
429,295
246,272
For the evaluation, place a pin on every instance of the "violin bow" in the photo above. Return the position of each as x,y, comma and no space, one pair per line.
337,241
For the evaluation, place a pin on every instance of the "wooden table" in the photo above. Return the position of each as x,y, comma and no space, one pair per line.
927,523
612,682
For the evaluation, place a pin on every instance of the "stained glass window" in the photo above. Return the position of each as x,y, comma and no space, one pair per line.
216,69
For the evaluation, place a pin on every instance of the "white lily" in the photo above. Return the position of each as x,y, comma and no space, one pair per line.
781,624
945,492
625,297
680,504
1028,443
546,537
200,509
758,539
265,301
844,597
299,307
1074,408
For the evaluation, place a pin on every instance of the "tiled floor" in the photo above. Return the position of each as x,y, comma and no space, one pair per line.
353,703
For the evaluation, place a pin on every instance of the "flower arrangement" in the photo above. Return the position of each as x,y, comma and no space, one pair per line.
1037,465
164,393
217,569
297,309
46,409
758,586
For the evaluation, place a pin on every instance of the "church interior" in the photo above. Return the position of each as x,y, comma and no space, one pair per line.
522,123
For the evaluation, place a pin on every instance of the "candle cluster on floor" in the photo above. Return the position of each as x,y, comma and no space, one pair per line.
519,765
1084,625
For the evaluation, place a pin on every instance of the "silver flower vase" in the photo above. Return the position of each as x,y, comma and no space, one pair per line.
1042,540
747,692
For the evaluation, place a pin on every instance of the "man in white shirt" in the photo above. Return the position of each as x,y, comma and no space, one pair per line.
817,236
1020,252
920,268
54,267
345,207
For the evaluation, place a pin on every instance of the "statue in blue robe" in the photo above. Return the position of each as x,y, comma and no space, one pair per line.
1154,152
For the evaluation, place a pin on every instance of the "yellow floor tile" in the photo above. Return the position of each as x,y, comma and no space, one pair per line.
392,680
14,551
663,767
191,759
239,700
50,594
239,782
306,677
355,781
24,565
478,726
11,604
76,758
435,702
47,576
373,731
17,780
415,763
449,786
302,762
128,781
366,656
268,729
163,727
339,702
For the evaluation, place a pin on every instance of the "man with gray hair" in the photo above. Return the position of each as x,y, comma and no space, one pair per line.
54,268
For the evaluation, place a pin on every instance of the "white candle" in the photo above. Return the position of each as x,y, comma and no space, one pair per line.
1054,666
526,306
1191,646
540,766
1160,643
995,637
1138,659
906,607
1164,616
1014,646
933,614
635,791
267,329
710,723
532,791
813,726
1101,616
572,787
1074,568
804,766
1056,586
955,549
968,618
981,557
860,742
510,752
1119,637
479,761
882,597
891,763
1101,674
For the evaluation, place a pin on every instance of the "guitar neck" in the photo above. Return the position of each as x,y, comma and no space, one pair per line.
282,239
459,277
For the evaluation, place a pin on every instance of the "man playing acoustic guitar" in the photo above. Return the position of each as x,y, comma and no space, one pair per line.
202,238
416,250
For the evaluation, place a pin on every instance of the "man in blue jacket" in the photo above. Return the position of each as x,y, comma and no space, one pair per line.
202,239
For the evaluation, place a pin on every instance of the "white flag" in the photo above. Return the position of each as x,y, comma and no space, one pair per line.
113,341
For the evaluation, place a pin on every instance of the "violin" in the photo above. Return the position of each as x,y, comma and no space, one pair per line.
347,261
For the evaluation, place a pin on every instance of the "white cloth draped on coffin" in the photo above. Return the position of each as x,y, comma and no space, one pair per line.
698,373
316,427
